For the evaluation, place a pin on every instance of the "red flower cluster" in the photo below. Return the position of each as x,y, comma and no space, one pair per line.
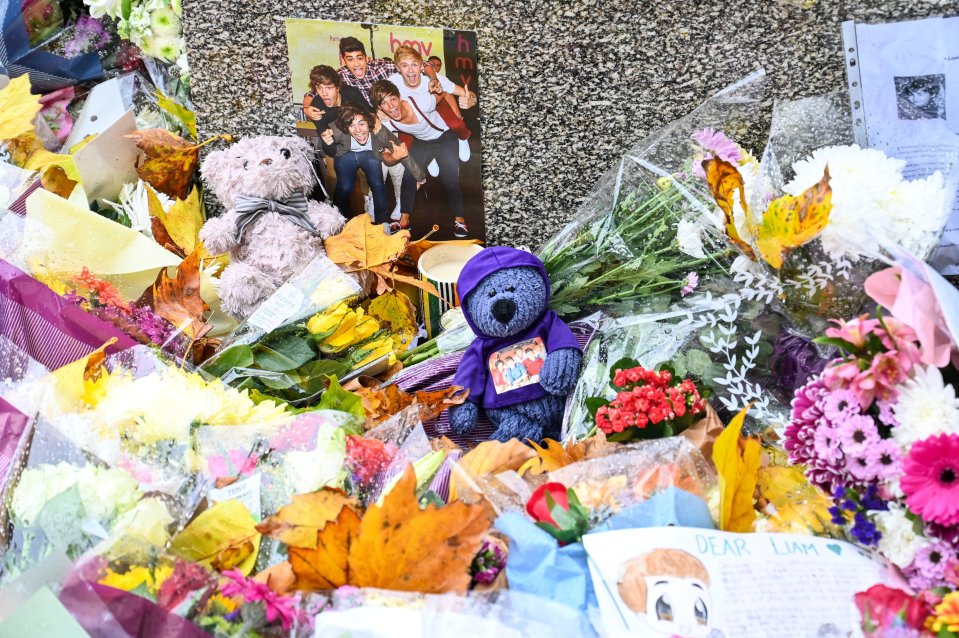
648,396
105,292
366,458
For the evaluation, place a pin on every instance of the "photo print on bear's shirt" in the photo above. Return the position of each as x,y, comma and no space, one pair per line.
518,365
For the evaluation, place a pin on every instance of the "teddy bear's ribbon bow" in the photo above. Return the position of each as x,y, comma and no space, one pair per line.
293,208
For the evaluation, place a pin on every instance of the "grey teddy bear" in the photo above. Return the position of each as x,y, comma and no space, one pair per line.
525,359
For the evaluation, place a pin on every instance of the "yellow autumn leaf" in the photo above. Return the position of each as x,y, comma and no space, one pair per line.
74,382
18,108
41,159
793,505
222,537
738,473
182,222
395,310
178,111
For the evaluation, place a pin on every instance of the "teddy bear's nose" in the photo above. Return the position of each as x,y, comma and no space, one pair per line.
266,161
503,310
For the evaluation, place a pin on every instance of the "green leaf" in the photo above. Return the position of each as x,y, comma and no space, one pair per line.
336,398
126,7
679,366
836,342
284,354
593,404
236,357
697,361
311,376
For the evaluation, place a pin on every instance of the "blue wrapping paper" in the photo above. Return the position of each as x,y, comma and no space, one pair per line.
538,565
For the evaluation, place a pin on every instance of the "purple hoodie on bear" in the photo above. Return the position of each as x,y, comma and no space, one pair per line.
492,385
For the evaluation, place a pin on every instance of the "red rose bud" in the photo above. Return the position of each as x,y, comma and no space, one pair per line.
880,606
537,507
558,512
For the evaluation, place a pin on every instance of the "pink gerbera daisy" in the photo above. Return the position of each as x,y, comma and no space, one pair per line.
931,479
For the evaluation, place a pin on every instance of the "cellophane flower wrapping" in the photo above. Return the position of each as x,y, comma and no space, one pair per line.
878,430
646,235
281,349
63,498
624,476
724,344
372,612
873,201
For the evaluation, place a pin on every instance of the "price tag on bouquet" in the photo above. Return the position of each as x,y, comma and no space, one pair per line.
284,303
247,491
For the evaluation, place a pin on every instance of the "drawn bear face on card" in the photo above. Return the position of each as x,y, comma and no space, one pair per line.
667,593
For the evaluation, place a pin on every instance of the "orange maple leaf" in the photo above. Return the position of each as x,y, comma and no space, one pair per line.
297,524
169,160
177,299
362,245
553,455
396,545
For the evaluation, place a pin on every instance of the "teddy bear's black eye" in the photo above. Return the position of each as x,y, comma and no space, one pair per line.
492,293
510,289
285,152
245,164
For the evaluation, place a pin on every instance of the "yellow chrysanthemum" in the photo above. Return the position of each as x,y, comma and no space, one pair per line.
946,614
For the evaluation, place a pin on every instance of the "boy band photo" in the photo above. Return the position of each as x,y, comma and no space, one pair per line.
396,138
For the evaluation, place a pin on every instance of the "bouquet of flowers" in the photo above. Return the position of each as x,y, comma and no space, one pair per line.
643,238
649,404
878,429
137,413
798,216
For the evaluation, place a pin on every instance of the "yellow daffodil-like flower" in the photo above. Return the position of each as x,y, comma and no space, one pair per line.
376,349
219,602
946,614
356,327
329,320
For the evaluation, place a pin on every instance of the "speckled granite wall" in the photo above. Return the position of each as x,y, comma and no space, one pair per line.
566,87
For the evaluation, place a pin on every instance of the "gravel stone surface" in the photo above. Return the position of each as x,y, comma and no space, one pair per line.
565,87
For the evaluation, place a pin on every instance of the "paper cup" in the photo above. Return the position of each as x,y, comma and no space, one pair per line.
441,266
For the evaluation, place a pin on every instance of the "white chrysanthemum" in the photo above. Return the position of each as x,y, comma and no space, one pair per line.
927,406
104,492
869,192
690,238
135,204
899,542
100,8
166,48
164,22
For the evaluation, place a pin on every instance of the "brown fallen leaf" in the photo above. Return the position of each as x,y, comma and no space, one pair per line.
169,161
383,402
327,565
55,180
297,524
554,455
402,547
177,299
362,245
279,578
489,457
396,545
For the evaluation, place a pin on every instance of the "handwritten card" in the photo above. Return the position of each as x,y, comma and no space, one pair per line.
676,581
